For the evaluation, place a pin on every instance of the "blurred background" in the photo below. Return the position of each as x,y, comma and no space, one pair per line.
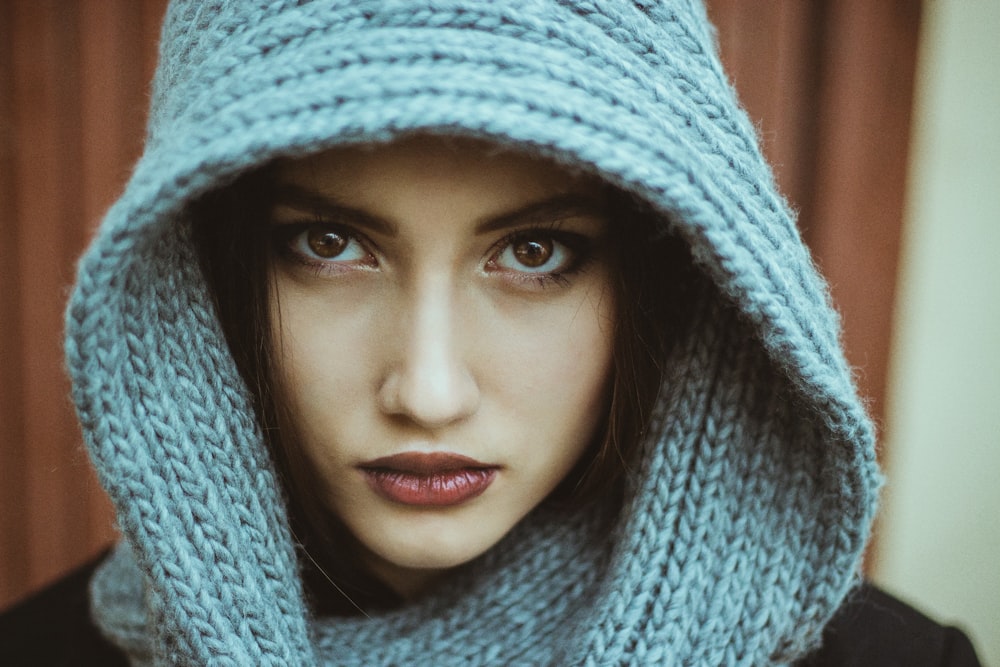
880,119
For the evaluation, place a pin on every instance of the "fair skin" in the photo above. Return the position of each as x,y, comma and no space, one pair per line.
439,297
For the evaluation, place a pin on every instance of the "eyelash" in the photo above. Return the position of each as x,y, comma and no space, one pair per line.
579,247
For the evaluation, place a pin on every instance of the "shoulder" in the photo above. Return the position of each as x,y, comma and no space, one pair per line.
874,628
53,627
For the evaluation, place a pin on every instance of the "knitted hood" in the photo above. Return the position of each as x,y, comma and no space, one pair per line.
744,521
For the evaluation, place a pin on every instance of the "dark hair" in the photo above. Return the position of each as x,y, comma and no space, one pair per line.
230,230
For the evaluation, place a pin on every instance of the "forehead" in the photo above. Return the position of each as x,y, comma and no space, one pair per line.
419,168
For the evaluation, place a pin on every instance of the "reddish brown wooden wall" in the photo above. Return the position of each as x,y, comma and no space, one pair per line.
829,83
73,93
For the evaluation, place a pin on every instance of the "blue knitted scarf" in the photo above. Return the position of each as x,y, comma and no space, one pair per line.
744,521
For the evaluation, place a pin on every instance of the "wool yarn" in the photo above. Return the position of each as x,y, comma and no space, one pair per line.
744,521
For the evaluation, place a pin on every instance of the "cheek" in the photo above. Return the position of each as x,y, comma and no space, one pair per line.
555,366
323,367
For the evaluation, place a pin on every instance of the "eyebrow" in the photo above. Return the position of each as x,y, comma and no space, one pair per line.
326,206
557,207
552,209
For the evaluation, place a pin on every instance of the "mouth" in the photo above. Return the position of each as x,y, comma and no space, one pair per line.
437,479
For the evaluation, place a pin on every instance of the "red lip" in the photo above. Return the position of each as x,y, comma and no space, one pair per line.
436,479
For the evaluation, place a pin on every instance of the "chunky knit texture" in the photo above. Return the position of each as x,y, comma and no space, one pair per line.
743,524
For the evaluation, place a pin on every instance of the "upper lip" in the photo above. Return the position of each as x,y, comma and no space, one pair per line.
424,463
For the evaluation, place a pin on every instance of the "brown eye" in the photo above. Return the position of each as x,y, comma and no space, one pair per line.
326,243
538,253
533,253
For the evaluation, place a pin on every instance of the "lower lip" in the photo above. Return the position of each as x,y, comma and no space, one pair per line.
439,489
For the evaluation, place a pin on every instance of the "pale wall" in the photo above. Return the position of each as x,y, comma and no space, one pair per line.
939,542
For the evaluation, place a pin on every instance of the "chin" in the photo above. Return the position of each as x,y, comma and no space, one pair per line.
432,550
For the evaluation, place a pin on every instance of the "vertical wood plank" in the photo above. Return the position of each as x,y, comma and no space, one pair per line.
34,205
14,562
866,99
47,93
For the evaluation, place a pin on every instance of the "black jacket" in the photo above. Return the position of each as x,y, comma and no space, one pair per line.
54,628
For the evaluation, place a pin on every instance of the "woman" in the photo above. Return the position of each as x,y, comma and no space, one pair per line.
466,333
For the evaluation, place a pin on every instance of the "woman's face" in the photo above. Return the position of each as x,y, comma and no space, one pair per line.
443,314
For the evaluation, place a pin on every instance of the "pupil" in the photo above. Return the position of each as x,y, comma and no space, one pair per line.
533,253
325,243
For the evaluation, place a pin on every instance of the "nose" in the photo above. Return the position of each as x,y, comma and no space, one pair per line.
427,380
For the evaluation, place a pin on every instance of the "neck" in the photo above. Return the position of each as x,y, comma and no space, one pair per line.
409,583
